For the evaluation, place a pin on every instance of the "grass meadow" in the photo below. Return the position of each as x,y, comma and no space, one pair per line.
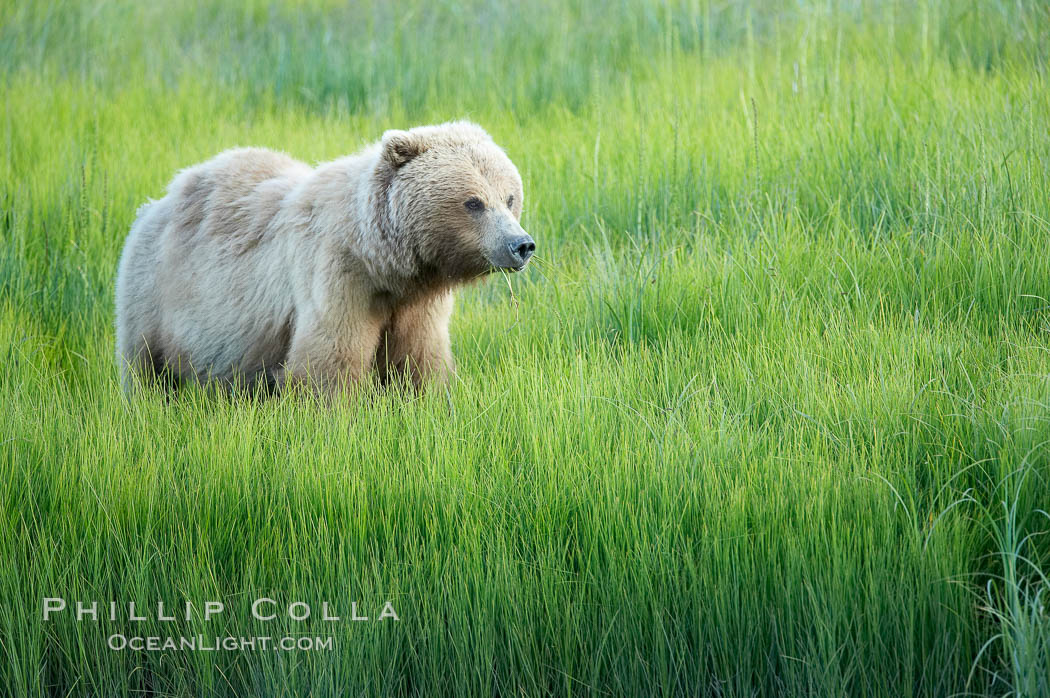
769,415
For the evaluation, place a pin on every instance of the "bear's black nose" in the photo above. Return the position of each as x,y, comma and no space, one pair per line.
522,248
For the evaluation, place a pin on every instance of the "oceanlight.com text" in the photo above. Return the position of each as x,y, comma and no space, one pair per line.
205,643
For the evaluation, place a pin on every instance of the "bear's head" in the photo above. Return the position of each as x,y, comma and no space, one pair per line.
455,197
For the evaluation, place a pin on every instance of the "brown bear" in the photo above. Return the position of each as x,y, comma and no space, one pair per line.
256,268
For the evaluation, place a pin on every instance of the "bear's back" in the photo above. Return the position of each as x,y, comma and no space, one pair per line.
235,194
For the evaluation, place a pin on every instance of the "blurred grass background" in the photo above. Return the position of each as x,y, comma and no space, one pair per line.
769,415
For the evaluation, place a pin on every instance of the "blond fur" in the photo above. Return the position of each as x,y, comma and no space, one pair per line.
256,267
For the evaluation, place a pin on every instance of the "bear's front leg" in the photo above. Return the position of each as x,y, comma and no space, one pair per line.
330,357
416,344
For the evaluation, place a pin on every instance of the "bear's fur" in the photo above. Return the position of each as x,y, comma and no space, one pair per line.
257,268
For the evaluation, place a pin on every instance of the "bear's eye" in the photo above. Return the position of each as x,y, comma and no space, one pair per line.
510,201
475,204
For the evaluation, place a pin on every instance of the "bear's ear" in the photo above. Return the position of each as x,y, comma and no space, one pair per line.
401,146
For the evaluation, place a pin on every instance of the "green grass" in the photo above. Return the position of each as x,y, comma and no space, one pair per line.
769,415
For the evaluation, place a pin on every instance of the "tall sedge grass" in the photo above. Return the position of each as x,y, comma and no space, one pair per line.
768,415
